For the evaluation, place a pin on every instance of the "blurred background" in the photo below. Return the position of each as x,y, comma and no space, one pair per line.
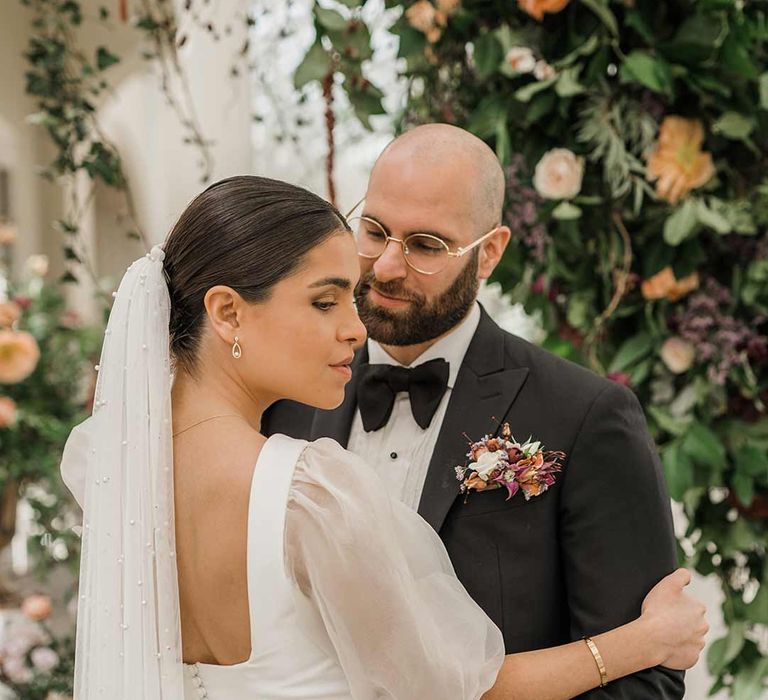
634,136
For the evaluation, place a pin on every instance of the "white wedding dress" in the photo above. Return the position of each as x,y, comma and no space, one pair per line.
351,594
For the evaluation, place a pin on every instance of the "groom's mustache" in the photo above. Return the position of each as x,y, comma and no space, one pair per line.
394,289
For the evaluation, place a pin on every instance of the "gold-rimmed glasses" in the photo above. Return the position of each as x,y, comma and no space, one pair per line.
423,252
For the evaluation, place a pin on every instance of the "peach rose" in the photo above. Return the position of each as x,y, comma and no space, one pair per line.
449,7
678,163
664,285
521,59
7,234
7,412
677,354
537,8
559,174
421,16
37,607
9,314
19,354
37,265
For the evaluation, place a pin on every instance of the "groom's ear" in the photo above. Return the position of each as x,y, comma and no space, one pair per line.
224,307
491,251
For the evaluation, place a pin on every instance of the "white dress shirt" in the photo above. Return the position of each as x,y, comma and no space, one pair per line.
401,451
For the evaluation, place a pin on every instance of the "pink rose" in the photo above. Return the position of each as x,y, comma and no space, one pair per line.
559,174
7,412
17,670
37,607
620,378
44,659
677,354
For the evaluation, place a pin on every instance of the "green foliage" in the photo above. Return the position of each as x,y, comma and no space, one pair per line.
49,403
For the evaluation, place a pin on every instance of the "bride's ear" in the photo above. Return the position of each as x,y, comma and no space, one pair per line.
225,308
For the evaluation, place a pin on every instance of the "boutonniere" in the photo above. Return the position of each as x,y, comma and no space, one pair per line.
503,461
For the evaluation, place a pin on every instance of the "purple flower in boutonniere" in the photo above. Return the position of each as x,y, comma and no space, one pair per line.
502,461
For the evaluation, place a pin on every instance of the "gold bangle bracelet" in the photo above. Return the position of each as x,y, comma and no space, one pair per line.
598,660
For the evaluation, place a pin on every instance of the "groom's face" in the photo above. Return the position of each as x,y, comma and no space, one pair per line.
397,304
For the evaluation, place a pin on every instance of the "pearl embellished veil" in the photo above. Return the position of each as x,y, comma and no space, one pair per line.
118,464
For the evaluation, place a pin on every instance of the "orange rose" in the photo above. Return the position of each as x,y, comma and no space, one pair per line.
476,483
664,285
7,412
537,8
37,607
9,314
19,354
678,163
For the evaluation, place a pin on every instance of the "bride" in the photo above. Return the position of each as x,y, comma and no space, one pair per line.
220,564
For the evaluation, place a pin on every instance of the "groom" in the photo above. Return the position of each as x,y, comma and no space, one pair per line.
575,560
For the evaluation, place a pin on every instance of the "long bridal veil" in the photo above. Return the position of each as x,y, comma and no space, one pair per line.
119,466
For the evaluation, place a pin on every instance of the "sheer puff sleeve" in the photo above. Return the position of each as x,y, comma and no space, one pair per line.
378,576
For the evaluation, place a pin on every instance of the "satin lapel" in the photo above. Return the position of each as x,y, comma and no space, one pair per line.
482,396
337,423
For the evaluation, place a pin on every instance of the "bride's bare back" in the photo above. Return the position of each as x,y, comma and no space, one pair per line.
213,468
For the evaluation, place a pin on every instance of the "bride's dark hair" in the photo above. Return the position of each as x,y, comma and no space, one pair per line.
245,232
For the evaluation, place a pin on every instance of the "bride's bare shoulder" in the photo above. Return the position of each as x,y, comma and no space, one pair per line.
217,460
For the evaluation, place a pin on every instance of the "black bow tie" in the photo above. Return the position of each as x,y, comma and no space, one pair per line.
379,384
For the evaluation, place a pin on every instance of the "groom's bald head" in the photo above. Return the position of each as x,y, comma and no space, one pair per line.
463,163
442,181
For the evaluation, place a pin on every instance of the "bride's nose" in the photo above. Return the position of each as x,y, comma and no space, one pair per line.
352,330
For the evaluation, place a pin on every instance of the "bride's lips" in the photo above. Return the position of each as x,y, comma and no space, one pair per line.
344,367
384,300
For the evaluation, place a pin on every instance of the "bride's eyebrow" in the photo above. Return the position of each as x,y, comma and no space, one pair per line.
341,282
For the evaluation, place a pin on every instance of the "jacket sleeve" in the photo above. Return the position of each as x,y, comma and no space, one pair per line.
616,532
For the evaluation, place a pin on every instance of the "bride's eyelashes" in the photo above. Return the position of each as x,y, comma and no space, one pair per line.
324,305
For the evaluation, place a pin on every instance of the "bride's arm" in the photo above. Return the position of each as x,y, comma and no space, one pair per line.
669,632
375,587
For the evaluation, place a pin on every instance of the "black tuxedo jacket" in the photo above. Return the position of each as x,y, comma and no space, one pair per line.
577,560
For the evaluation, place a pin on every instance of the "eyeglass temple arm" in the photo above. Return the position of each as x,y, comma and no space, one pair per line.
461,250
359,202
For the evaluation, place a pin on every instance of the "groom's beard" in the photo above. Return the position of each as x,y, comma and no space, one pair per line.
423,321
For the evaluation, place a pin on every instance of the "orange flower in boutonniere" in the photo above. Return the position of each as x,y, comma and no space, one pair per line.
537,8
664,285
678,163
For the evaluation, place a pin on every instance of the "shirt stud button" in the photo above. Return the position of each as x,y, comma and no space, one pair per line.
393,455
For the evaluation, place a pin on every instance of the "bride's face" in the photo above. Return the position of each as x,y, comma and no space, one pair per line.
300,342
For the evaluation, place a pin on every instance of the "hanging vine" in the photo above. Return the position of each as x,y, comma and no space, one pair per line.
66,84
157,20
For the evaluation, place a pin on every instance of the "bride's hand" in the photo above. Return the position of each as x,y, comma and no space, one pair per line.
677,621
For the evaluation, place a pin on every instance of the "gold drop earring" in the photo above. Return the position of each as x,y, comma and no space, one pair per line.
237,351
